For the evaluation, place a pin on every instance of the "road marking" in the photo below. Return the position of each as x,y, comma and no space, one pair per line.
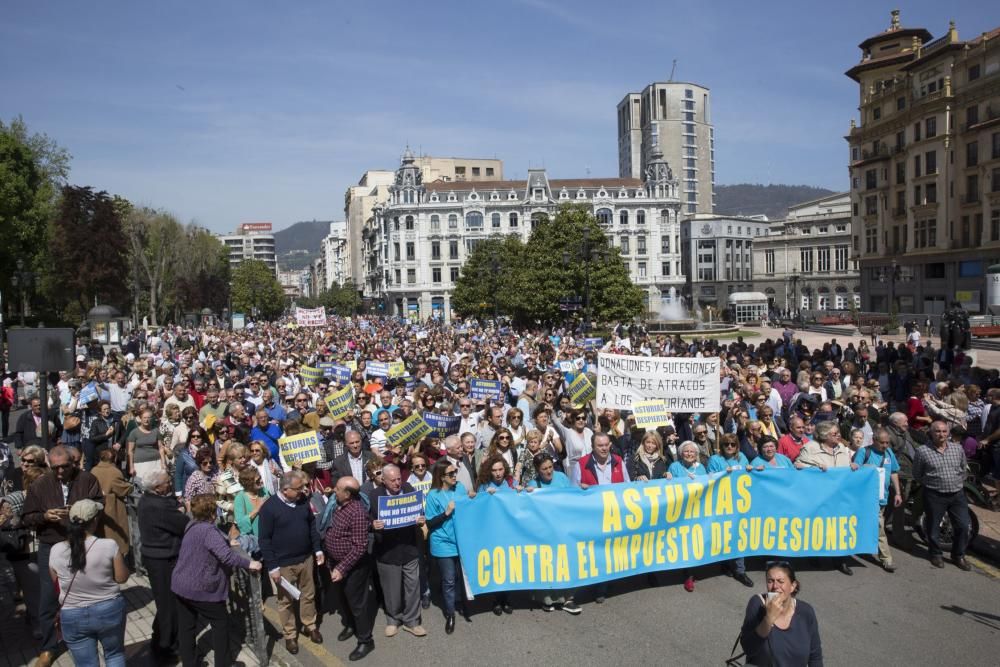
317,650
988,569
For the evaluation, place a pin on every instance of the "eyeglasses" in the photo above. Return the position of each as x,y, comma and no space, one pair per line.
419,466
701,432
503,437
451,473
196,436
206,463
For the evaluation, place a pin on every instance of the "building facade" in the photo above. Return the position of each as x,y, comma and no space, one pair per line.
717,259
673,118
804,262
336,256
251,240
925,168
417,242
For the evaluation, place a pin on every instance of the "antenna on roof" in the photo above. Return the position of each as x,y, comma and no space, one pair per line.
673,69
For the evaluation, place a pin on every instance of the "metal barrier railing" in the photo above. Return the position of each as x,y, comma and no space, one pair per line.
245,599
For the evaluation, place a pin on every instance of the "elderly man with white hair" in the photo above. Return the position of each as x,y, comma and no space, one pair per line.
161,527
397,556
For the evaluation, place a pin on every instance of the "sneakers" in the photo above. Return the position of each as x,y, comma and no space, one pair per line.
391,630
416,630
548,607
571,607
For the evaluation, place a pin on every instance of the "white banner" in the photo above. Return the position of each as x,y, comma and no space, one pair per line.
684,384
310,317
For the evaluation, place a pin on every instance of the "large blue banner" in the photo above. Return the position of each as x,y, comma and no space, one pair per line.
565,538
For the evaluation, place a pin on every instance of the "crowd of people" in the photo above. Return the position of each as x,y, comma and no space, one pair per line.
189,422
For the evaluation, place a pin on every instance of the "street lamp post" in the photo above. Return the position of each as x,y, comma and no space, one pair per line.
590,251
890,275
795,291
23,281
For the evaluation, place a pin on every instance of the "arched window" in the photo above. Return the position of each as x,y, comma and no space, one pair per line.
452,221
395,223
435,223
604,216
409,223
495,220
623,217
513,220
474,220
408,196
640,217
537,219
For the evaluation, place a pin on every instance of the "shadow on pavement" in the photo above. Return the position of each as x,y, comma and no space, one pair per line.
989,620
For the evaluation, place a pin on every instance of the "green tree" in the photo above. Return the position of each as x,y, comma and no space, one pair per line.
203,278
33,168
489,278
340,299
87,250
156,240
256,291
555,268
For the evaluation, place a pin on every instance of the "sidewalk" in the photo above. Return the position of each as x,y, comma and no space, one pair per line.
18,648
987,545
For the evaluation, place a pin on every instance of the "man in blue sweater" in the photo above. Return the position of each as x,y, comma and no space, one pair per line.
289,544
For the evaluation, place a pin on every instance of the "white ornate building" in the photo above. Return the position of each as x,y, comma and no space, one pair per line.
415,244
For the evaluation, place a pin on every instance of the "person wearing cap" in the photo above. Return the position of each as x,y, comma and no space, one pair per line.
89,570
46,510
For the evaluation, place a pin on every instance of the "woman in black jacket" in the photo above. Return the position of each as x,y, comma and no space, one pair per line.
102,428
648,461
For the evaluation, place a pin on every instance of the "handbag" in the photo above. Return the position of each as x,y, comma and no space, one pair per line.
736,660
71,422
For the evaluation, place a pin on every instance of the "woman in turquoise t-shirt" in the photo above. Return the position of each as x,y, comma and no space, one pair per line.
731,459
439,509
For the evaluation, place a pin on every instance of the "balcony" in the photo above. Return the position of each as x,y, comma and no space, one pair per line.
899,212
990,115
971,199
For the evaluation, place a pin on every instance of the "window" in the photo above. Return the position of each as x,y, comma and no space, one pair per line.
995,153
411,253
395,251
623,217
409,223
871,240
900,103
972,188
930,191
925,233
930,162
823,259
995,225
513,220
917,198
871,179
806,259
665,244
459,173
640,244
688,94
916,131
769,261
452,249
916,166
995,180
537,219
900,203
640,217
930,127
436,275
453,274
970,269
495,220
805,302
452,221
399,277
871,208
665,266
840,258
972,154
972,115
475,171
841,228
934,270
973,72
877,113
489,171
642,269
435,223
623,242
900,173
395,223
474,221
435,250
604,216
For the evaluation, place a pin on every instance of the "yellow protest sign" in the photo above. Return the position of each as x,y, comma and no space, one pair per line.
397,369
301,448
340,402
650,414
410,431
580,390
352,364
311,375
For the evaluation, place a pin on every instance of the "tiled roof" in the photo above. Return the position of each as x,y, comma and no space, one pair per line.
907,33
873,63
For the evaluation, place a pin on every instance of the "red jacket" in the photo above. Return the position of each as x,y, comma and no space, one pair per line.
588,470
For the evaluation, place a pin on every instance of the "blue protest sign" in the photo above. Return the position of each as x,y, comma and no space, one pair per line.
442,425
87,394
480,390
569,538
400,511
342,374
593,343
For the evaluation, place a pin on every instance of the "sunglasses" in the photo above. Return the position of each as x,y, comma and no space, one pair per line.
63,466
451,473
419,466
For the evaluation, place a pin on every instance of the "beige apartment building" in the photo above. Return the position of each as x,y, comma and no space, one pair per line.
673,118
925,168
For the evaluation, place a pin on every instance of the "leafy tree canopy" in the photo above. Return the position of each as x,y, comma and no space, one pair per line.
256,291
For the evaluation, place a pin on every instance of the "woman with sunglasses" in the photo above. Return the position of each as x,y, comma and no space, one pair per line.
730,459
518,431
576,438
185,464
501,445
778,628
260,459
439,510
494,477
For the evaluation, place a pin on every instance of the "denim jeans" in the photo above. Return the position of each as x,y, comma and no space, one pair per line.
452,585
100,622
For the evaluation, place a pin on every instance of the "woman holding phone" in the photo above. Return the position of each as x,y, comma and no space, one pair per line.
778,628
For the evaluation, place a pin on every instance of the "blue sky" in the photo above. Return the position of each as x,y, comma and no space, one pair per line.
226,112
